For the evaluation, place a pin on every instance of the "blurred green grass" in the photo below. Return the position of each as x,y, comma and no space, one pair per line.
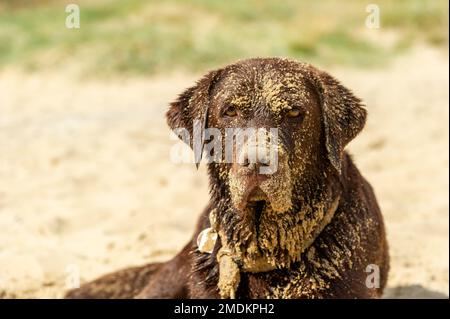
147,37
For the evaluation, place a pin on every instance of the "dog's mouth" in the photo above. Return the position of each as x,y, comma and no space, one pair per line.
256,203
254,259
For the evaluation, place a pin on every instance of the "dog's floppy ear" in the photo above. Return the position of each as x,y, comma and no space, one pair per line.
343,115
192,106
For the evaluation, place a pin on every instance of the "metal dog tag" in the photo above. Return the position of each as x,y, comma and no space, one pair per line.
206,240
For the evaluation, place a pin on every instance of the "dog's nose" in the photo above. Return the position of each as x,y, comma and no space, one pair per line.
254,157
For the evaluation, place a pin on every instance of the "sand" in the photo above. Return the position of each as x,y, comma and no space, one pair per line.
87,187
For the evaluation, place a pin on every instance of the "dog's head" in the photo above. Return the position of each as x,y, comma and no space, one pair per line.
305,113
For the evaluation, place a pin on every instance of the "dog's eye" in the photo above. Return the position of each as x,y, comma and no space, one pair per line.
230,111
294,112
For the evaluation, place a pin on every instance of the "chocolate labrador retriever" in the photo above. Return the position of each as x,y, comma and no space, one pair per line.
310,228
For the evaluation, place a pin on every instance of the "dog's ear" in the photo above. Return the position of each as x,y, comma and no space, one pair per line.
192,103
192,107
343,115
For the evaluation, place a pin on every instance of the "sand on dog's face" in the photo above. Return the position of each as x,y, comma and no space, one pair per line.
274,211
263,93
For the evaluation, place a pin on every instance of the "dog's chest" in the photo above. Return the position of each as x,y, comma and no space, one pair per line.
300,281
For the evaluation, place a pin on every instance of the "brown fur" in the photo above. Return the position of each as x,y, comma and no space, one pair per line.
295,245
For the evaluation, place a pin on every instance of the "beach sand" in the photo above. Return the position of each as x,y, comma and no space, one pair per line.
87,187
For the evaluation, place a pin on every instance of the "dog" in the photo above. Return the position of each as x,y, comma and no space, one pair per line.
312,228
